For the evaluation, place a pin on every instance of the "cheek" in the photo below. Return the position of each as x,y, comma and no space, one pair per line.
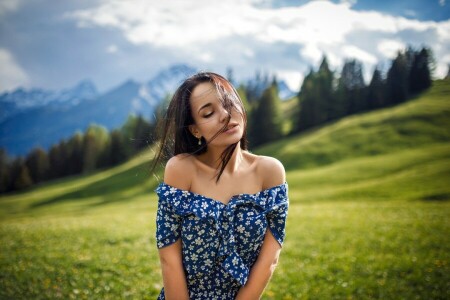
208,127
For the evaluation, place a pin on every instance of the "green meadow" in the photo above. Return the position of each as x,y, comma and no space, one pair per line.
368,218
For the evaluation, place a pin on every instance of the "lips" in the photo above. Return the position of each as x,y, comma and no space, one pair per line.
231,126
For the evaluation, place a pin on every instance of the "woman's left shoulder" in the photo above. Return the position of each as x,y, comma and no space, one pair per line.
271,170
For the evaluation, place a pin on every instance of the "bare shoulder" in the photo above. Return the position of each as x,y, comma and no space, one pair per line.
177,171
271,170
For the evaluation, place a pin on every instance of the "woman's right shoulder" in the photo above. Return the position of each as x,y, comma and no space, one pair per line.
179,171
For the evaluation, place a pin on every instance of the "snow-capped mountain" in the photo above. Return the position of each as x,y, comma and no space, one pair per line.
284,91
165,82
42,118
22,100
39,117
84,90
160,86
259,83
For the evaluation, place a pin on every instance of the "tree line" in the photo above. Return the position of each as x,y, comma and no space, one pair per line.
82,153
324,96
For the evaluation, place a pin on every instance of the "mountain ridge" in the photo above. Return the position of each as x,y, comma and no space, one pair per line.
39,118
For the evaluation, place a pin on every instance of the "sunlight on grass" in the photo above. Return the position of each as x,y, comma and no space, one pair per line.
368,218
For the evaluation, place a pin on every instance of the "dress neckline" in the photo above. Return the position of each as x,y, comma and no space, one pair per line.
232,197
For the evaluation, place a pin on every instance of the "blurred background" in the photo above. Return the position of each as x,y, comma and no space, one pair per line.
351,96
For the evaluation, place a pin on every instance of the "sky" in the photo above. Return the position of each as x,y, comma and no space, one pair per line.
55,44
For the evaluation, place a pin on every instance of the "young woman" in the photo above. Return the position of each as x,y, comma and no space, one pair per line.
222,210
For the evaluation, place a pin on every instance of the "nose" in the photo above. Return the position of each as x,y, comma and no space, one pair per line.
224,115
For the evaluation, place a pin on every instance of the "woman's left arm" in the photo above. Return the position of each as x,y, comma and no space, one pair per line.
262,270
274,174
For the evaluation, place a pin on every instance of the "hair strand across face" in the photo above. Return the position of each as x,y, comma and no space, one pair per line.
175,137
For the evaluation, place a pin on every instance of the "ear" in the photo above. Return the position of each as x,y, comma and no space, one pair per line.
193,129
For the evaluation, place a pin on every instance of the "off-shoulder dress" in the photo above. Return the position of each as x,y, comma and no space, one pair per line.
220,242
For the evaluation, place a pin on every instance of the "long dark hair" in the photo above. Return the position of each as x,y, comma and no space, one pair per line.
174,134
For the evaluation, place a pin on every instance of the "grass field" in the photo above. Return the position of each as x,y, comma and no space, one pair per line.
368,218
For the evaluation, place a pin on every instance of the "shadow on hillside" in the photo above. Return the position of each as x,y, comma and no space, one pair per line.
436,197
107,188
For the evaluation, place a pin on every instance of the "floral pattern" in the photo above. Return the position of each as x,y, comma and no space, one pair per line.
220,242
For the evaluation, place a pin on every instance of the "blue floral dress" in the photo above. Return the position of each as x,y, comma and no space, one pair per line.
220,242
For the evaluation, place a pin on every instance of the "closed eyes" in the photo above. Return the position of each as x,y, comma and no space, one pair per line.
208,115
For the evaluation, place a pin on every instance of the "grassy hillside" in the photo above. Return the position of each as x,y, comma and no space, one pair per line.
368,217
420,122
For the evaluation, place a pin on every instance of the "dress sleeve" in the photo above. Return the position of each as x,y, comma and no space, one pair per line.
168,223
277,214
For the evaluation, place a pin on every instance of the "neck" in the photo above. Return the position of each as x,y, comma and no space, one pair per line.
213,158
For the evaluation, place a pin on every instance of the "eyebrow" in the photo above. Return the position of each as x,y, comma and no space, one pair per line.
204,106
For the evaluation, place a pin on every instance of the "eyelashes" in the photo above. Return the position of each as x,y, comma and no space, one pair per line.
234,107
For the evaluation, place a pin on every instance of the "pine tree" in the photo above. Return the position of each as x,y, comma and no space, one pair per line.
58,157
94,144
267,122
324,92
316,98
308,108
376,91
117,149
75,161
55,160
397,82
20,176
4,172
38,165
128,131
143,133
350,95
420,75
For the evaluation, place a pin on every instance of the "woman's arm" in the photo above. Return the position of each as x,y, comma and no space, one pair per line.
174,278
274,174
262,270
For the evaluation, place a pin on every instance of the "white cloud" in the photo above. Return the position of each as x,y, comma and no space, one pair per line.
8,6
351,51
223,33
112,49
292,78
11,74
442,2
390,48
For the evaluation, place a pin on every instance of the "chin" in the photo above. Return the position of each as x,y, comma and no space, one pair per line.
226,142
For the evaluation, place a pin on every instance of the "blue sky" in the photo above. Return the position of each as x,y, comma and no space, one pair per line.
55,44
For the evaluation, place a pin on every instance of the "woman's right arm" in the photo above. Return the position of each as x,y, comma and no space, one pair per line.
174,278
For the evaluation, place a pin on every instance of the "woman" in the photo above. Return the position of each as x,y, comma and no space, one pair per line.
222,210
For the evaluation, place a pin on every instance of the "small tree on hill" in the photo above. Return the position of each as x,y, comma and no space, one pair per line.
376,91
420,75
398,80
267,122
38,165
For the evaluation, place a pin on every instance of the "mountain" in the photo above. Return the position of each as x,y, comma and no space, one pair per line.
42,118
38,117
259,83
22,100
284,91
